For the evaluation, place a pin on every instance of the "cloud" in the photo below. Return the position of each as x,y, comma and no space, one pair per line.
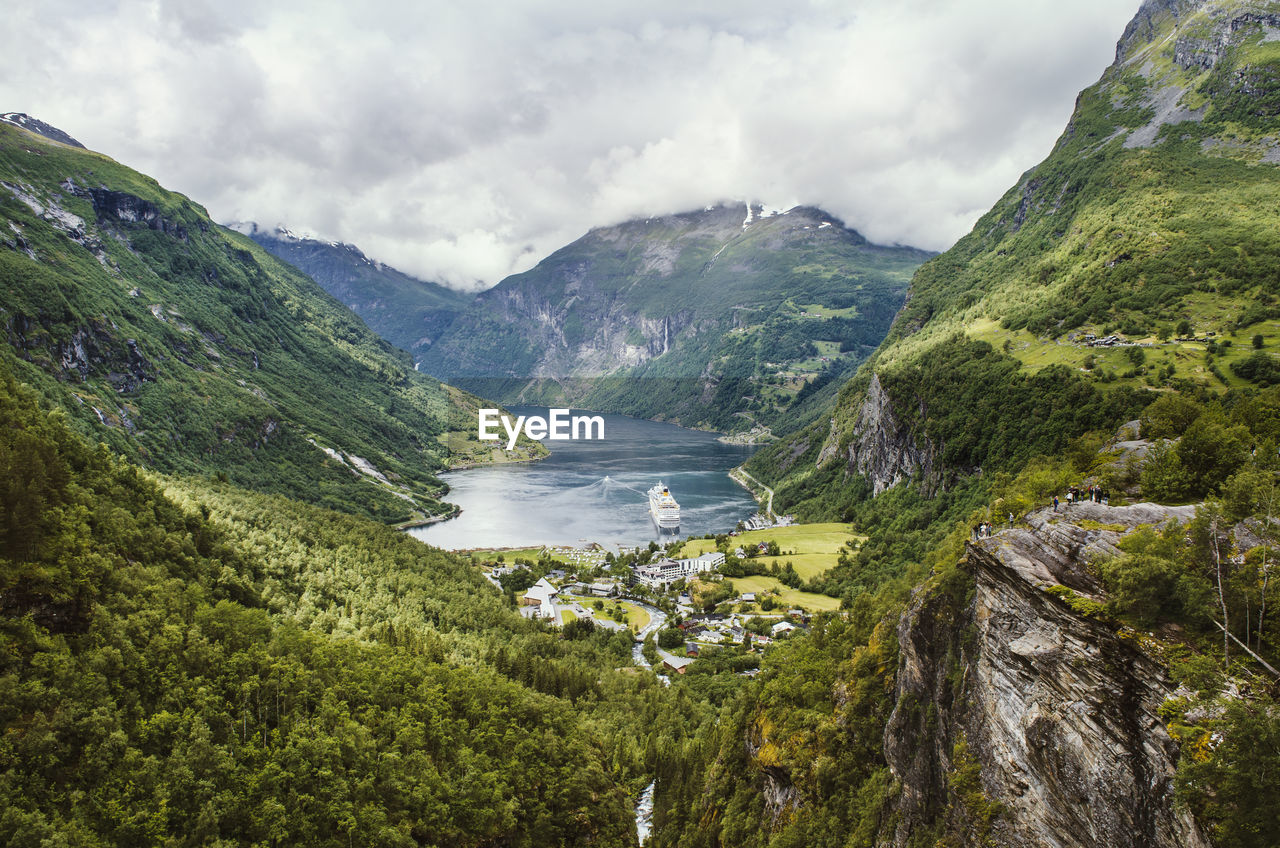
462,141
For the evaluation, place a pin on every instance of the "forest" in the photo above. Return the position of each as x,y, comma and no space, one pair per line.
189,663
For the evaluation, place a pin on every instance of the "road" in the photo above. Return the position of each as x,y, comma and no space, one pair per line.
742,472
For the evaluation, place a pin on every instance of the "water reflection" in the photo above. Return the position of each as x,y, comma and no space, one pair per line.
596,490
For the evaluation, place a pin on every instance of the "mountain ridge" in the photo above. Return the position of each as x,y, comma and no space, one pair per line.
1115,234
408,312
725,313
189,348
39,127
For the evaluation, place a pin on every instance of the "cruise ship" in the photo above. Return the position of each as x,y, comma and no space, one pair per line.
663,508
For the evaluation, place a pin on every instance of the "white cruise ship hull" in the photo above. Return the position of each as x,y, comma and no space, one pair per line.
663,508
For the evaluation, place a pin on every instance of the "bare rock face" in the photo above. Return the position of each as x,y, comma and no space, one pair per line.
880,446
1059,709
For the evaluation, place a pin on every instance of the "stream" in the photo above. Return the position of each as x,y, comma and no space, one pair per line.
644,807
644,813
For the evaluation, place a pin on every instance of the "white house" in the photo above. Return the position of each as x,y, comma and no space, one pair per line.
782,627
709,560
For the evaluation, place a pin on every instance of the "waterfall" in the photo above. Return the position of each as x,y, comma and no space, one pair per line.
644,813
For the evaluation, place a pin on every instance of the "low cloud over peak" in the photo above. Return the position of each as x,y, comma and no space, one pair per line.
464,141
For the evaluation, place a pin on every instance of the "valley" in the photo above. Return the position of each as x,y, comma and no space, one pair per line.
214,629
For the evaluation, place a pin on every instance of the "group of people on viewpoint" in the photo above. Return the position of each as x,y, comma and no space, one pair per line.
1074,495
1096,494
986,528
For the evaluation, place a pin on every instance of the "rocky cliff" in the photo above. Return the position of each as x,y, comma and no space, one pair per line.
1019,718
880,445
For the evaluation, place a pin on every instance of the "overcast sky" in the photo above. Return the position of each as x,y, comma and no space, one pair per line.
462,141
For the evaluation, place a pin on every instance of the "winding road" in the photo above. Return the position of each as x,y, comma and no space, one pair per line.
751,481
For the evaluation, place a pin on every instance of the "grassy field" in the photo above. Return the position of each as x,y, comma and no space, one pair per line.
789,597
1206,312
800,538
636,617
461,456
510,555
816,546
824,311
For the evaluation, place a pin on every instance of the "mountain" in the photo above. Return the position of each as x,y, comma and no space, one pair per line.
35,125
730,318
1139,255
192,350
408,312
1009,670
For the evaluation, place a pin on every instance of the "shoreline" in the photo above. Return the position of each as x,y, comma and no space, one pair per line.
427,521
751,438
739,475
467,466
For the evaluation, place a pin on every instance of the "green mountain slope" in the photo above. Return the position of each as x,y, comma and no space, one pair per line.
189,348
204,665
1156,206
1005,671
408,312
725,318
1151,225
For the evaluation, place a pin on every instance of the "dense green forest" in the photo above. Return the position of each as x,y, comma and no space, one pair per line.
191,671
187,662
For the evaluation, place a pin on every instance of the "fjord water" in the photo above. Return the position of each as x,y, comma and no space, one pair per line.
596,491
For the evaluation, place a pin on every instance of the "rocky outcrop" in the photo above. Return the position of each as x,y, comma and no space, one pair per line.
1058,708
590,333
779,792
880,445
1203,52
122,207
90,350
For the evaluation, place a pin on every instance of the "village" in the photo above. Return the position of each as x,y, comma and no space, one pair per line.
688,600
